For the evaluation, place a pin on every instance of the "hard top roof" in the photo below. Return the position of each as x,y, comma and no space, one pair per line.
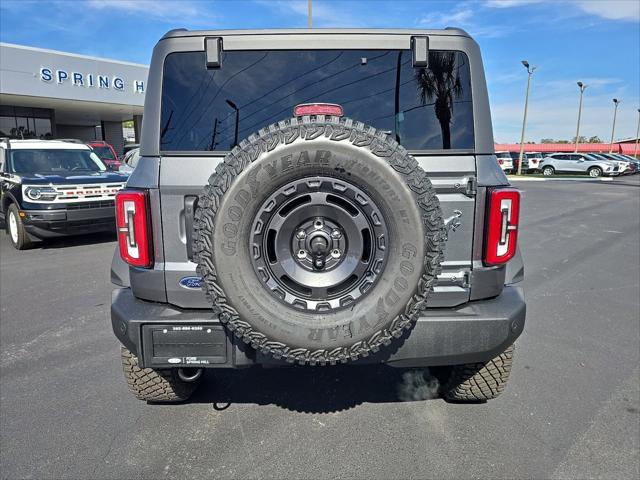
448,31
43,145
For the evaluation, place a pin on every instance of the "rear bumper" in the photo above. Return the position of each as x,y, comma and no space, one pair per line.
475,332
60,222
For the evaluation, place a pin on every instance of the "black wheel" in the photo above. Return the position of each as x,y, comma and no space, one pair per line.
595,172
15,228
318,240
548,171
154,385
476,382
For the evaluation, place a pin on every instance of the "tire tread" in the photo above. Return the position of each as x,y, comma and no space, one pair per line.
476,382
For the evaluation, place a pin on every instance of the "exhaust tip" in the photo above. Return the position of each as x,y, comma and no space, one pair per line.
189,374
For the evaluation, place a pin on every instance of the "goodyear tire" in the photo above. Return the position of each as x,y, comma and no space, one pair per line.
318,240
479,382
162,385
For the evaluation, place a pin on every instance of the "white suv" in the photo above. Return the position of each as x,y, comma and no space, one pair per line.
505,161
578,163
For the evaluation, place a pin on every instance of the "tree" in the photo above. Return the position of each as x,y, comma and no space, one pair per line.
594,139
581,139
441,81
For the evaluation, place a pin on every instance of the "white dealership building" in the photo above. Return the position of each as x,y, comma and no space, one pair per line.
50,94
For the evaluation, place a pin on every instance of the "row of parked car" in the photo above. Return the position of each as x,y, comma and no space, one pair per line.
592,164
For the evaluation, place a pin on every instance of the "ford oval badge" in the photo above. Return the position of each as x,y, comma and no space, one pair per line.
192,283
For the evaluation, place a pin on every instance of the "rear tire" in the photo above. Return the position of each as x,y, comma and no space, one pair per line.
15,228
155,385
478,382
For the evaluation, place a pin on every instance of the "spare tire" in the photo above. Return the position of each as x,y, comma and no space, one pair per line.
318,240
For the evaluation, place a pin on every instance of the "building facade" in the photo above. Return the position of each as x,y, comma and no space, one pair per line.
50,94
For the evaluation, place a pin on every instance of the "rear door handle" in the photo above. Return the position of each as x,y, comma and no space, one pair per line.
190,205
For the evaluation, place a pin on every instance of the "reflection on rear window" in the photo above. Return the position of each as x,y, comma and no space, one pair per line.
213,109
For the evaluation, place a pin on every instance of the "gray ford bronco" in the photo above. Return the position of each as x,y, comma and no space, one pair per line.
317,197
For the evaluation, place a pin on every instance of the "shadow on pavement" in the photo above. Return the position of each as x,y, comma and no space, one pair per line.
317,389
76,240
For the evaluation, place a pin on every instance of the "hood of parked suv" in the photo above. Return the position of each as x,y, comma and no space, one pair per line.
74,177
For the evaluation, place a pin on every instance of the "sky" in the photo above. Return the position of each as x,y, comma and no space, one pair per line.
596,42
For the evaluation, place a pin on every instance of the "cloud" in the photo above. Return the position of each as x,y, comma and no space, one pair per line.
628,10
447,19
612,9
464,18
168,11
510,3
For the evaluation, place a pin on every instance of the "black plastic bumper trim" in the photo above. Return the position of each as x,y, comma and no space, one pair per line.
474,332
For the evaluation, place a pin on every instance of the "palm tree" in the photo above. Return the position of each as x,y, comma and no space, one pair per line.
440,80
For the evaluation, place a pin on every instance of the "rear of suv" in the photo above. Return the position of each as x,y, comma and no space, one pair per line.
505,161
316,198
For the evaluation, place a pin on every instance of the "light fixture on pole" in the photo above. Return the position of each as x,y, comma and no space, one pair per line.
616,102
530,70
582,88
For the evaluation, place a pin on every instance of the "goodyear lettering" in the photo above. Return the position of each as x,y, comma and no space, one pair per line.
400,283
235,213
333,333
243,197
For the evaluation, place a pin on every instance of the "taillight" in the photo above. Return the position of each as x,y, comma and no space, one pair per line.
500,161
132,221
502,225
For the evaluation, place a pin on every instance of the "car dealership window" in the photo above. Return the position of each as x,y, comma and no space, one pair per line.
24,122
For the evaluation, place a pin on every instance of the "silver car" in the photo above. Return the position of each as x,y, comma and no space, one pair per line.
578,163
625,167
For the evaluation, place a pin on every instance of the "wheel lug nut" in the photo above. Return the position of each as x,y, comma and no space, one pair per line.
335,253
302,254
301,234
336,234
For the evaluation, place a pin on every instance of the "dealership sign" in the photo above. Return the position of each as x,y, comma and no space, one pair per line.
89,80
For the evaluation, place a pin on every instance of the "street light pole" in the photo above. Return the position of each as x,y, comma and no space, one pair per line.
635,150
530,70
613,128
582,88
309,14
237,122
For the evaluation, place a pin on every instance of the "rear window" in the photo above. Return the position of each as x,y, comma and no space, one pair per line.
213,109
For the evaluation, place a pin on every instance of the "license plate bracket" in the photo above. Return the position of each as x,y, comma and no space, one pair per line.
183,345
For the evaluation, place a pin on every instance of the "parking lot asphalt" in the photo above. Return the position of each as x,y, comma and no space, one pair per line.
571,410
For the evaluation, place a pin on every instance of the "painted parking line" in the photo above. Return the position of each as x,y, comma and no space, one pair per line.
541,179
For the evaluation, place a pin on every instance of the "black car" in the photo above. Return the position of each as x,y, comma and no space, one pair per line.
53,188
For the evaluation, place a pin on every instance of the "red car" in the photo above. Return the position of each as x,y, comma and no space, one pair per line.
106,153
